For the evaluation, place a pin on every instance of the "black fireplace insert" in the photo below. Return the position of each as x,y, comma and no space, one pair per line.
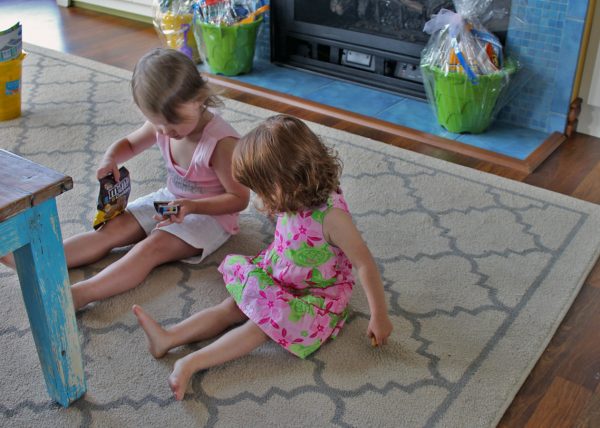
376,43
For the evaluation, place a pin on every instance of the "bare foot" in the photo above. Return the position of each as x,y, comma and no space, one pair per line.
179,378
78,300
8,261
158,343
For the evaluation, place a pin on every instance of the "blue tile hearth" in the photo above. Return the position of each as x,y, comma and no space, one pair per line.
266,75
414,114
502,138
352,97
506,139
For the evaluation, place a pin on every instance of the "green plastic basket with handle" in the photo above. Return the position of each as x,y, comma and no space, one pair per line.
229,50
464,107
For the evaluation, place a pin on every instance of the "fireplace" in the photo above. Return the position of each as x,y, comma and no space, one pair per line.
376,43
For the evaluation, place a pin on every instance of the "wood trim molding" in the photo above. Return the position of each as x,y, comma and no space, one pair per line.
573,116
539,155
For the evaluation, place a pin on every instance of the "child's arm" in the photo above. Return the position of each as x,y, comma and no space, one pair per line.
235,198
340,231
124,149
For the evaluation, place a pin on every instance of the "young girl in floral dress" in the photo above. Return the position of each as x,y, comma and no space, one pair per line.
297,290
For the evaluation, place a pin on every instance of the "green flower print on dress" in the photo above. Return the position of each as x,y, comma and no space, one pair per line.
307,256
303,306
316,279
233,259
273,258
335,319
236,289
258,259
304,351
263,277
318,216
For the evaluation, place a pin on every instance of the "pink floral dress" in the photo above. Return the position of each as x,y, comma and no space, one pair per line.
296,290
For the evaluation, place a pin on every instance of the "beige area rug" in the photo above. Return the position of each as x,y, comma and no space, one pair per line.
478,272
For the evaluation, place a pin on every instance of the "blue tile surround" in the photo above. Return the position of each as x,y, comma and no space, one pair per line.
543,35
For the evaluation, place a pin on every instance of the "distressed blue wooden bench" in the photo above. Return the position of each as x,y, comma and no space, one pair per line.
29,228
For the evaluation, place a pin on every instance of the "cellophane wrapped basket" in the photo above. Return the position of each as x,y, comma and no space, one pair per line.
464,71
173,21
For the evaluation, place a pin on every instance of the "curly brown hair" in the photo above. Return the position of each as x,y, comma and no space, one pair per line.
164,79
286,165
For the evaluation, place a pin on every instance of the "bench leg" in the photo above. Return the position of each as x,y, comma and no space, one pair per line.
46,291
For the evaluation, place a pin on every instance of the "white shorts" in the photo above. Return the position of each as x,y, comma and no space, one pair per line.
198,230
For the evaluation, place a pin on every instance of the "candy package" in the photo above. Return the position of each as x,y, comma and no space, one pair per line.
113,197
165,209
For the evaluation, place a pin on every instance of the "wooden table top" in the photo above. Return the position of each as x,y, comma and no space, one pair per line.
24,183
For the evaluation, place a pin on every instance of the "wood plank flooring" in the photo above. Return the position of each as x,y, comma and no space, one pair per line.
563,389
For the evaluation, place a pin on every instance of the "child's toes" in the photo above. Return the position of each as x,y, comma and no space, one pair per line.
175,387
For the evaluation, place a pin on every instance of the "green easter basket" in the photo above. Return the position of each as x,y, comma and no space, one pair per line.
464,107
229,50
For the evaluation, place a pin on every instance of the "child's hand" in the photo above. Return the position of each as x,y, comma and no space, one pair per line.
185,208
380,328
108,166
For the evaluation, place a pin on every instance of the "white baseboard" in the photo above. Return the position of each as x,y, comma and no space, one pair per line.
137,7
589,120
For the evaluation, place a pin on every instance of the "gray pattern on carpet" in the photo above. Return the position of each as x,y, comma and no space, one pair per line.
478,272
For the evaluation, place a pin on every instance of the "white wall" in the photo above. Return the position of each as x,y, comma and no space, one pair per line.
138,7
589,119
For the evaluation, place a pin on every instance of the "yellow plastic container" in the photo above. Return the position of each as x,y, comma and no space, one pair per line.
172,30
10,88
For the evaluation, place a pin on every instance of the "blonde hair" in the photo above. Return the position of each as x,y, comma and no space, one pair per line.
164,79
286,165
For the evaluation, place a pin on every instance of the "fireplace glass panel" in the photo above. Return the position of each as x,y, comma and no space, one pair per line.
397,19
376,43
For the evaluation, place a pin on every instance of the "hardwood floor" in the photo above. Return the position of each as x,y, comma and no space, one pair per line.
563,390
